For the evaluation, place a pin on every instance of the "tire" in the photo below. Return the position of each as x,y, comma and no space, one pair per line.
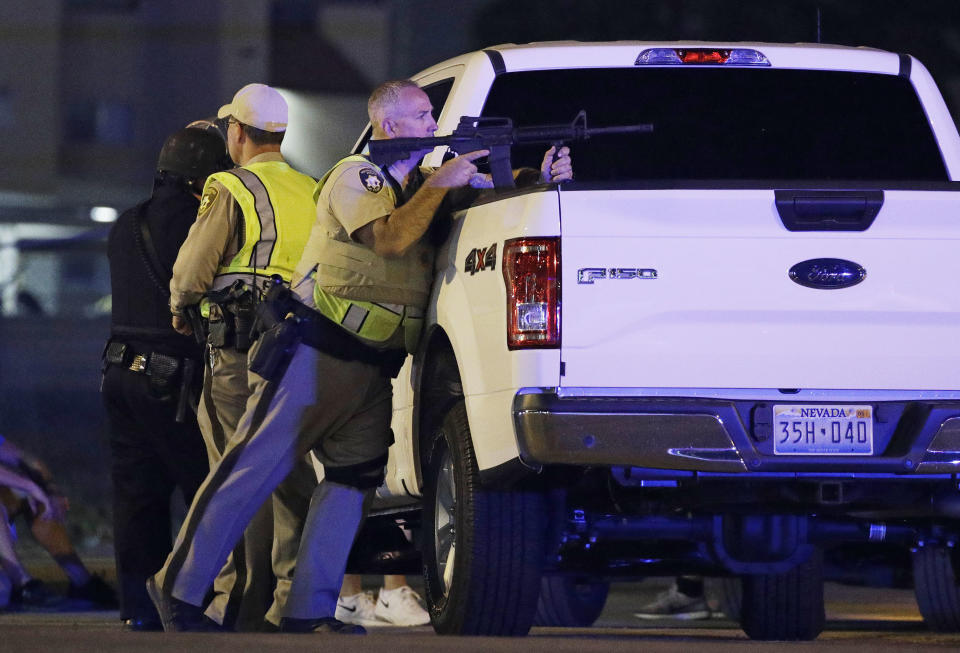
785,606
726,594
492,583
566,602
936,589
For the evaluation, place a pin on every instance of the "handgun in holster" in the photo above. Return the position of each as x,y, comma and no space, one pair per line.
276,304
276,348
232,317
197,323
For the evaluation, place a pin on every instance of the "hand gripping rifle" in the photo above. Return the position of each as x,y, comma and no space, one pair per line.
496,135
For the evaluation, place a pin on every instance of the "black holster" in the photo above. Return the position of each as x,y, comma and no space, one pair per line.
197,322
232,320
189,390
275,349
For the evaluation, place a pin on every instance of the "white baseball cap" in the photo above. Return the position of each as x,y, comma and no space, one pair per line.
259,106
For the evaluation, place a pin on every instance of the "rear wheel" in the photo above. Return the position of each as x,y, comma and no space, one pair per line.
785,606
569,602
483,549
935,586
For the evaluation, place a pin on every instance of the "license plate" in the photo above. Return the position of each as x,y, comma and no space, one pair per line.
800,430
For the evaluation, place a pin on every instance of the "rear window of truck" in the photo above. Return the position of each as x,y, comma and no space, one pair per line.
734,123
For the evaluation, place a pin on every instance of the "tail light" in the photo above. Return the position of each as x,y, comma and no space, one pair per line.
531,272
701,57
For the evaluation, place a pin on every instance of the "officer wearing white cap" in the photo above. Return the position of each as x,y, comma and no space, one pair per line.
257,105
252,223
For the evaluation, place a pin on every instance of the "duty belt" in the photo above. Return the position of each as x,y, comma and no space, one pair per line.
150,363
323,334
161,368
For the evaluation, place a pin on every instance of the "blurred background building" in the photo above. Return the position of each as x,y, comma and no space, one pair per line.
90,88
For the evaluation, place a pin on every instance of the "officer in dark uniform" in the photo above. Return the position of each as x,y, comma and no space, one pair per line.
151,371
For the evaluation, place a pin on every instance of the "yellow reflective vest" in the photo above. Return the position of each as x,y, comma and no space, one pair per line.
367,294
278,213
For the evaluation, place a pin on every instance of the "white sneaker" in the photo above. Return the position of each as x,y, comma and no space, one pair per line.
401,607
358,609
674,604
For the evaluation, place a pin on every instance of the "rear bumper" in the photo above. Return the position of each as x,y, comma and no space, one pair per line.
720,436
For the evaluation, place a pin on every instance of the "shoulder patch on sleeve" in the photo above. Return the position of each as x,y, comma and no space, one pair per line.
209,197
371,180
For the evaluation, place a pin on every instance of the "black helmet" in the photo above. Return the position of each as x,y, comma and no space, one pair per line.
212,124
193,153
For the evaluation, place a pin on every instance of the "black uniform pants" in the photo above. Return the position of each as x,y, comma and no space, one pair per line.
151,455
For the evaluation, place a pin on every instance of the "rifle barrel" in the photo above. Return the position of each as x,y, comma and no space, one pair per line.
550,133
643,128
495,135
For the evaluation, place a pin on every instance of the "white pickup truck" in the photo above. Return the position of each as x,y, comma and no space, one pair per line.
729,347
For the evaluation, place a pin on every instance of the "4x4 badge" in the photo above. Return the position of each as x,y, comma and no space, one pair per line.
481,259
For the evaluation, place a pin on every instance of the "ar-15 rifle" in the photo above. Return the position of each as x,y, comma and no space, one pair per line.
496,135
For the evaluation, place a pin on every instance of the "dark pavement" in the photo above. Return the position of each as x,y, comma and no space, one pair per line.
859,619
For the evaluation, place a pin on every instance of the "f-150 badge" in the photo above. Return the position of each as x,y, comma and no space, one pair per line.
589,275
481,259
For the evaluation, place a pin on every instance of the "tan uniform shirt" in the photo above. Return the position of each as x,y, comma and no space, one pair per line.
214,239
354,196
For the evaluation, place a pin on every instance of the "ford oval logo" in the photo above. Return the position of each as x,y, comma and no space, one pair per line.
827,273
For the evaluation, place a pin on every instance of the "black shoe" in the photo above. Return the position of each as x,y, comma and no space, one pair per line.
179,616
33,594
142,624
95,591
324,625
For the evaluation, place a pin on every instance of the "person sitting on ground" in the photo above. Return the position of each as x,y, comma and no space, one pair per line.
15,581
26,489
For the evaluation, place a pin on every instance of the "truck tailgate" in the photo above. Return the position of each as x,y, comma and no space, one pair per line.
722,310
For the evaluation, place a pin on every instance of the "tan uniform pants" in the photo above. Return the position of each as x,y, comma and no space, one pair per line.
340,410
254,583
